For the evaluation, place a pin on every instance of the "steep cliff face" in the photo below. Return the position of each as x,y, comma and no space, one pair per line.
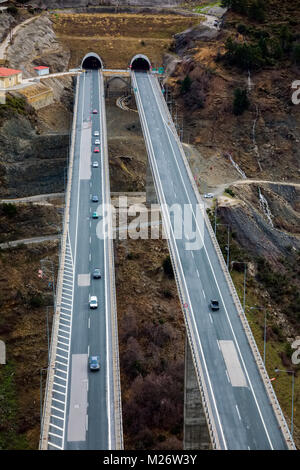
30,163
36,44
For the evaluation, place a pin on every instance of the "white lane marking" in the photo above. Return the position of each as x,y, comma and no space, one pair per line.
63,357
58,401
54,445
90,256
54,435
59,377
88,350
198,273
60,393
61,363
227,374
238,412
89,323
203,293
55,426
211,320
56,417
216,282
58,409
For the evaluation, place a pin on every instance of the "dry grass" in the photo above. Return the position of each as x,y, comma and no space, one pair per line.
117,38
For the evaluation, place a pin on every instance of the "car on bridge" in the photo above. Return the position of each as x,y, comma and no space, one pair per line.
97,142
214,305
96,150
95,198
97,273
93,301
94,362
96,133
95,164
95,111
95,215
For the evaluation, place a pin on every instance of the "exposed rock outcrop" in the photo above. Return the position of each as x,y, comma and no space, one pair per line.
36,44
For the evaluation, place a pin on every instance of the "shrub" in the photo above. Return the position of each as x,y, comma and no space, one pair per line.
9,209
12,10
230,192
241,102
36,301
186,85
246,56
256,11
242,29
296,54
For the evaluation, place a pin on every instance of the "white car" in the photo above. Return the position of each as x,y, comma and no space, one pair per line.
93,301
95,164
96,133
97,142
208,195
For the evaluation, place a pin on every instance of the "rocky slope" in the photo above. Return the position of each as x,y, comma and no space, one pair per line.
85,3
30,163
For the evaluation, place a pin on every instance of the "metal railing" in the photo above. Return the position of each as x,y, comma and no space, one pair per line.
56,317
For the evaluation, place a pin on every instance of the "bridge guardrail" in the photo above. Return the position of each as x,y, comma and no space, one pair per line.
261,367
56,317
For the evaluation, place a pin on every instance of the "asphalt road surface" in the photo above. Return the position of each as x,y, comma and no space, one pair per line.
86,397
240,406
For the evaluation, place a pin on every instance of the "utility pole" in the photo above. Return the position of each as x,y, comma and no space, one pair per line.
228,241
265,329
293,389
245,274
47,268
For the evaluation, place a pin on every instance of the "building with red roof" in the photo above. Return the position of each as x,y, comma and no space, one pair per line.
41,70
10,77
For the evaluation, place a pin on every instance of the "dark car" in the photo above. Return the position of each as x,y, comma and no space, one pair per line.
97,273
214,304
94,362
95,198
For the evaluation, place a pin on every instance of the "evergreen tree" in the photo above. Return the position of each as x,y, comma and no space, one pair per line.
241,102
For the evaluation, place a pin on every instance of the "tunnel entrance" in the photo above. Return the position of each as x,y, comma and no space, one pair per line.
140,63
91,61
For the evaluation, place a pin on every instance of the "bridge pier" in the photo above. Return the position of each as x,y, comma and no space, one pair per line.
195,433
151,197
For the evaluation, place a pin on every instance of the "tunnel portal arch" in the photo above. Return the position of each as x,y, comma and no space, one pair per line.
92,61
141,63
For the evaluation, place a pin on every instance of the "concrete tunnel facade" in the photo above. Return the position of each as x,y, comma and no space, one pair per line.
92,61
140,62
